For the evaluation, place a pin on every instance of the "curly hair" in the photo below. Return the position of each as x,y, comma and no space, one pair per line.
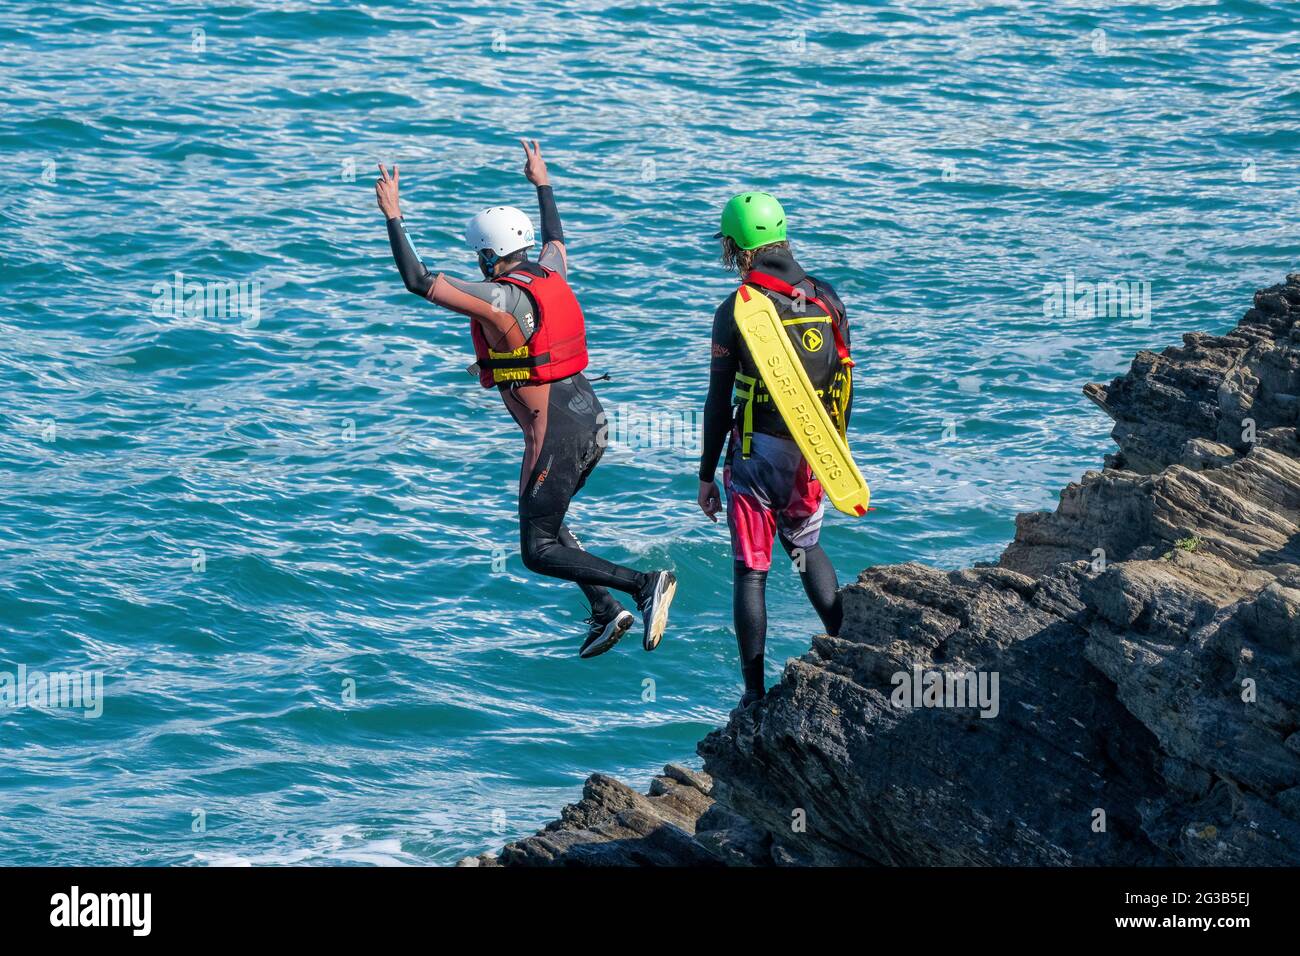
736,259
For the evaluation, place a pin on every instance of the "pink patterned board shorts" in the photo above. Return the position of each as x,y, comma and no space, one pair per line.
771,491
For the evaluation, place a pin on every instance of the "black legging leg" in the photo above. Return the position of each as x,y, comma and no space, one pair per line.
819,583
544,553
570,449
749,606
603,604
569,454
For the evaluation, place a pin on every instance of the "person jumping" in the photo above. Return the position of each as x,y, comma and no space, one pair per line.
529,339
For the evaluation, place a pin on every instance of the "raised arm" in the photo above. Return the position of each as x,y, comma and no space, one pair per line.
415,275
474,299
554,255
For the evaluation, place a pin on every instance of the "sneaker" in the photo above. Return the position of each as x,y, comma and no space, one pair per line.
653,604
603,635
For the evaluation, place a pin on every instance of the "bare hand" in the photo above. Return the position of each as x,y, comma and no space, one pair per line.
534,165
386,192
709,500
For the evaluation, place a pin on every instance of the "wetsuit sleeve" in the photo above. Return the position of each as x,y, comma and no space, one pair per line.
718,414
554,258
489,303
552,231
553,255
415,275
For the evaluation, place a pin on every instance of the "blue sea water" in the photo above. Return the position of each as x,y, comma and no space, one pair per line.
287,540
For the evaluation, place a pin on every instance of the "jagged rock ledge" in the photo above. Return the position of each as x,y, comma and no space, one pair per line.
1146,641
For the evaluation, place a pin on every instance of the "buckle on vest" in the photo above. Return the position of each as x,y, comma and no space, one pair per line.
512,366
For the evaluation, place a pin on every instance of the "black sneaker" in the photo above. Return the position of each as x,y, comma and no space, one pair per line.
750,697
603,635
653,604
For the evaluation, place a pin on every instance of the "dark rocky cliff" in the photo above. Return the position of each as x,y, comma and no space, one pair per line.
1144,636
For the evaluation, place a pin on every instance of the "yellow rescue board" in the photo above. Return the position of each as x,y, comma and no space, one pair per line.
796,399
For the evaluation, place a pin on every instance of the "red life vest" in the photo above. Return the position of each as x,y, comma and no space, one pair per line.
558,346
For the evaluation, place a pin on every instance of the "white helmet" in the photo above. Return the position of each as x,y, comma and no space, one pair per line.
502,229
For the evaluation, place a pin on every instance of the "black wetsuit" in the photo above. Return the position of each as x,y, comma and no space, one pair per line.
571,449
563,422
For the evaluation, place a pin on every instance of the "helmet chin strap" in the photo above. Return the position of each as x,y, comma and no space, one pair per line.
487,262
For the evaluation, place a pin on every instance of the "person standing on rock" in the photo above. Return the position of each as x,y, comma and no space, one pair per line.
529,337
771,490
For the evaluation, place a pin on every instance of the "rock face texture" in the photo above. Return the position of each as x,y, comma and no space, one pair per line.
676,824
1121,688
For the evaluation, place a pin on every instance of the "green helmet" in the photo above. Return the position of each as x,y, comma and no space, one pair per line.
751,220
